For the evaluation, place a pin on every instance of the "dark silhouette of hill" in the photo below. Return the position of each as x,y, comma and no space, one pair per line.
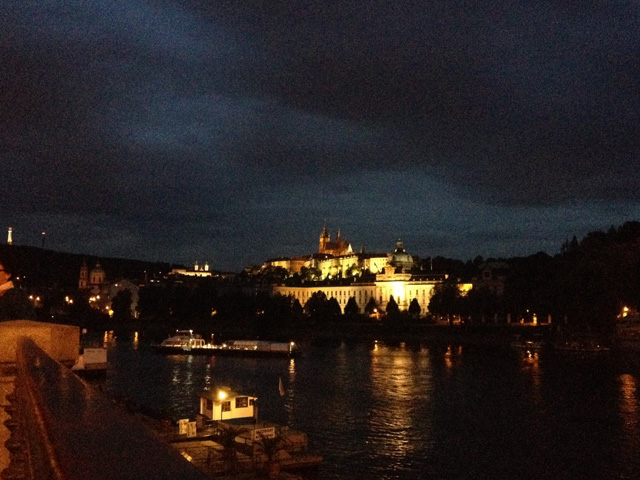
38,267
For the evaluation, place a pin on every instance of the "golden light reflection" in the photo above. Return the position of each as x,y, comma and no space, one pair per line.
400,383
629,413
531,363
628,398
450,356
290,402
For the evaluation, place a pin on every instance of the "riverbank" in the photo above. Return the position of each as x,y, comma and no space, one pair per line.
481,334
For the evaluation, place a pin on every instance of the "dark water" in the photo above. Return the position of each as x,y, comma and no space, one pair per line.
420,411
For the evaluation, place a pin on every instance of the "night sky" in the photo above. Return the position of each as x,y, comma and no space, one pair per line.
229,131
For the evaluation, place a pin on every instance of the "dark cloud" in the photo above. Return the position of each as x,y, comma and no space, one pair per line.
427,120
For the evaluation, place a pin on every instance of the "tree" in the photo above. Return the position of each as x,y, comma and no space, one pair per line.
317,306
351,309
353,271
333,309
446,300
121,305
414,308
310,274
271,447
296,309
226,436
392,307
371,308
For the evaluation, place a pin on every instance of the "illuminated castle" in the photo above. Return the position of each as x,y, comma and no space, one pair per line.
338,248
337,259
393,277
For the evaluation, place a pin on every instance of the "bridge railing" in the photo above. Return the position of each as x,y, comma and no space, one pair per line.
64,429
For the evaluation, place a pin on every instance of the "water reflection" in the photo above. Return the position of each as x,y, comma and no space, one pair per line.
452,356
410,412
291,392
531,365
400,387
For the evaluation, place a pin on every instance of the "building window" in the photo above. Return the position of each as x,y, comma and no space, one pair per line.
242,402
225,406
209,404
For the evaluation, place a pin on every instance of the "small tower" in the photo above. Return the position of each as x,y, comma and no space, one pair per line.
9,239
83,281
325,239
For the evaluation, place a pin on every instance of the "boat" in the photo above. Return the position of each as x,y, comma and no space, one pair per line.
91,363
189,343
627,332
585,346
530,345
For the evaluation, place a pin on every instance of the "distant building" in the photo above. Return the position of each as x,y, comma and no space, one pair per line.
83,279
338,248
100,292
391,282
196,271
334,259
91,279
492,277
393,278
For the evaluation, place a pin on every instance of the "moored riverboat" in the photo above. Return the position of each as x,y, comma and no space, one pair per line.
528,344
185,342
582,346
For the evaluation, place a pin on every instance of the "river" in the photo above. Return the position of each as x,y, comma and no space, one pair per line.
419,411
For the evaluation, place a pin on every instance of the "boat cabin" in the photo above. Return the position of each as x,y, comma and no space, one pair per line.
225,404
184,339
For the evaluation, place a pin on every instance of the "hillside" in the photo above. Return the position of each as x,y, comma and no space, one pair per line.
40,267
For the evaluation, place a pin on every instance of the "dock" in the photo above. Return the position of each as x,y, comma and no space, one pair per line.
204,450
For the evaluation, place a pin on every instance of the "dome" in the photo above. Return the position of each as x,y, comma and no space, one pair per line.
400,258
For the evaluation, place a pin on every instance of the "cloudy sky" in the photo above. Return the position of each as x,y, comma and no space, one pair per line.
229,131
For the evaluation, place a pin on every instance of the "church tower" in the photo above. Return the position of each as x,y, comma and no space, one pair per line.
83,281
9,239
97,275
325,239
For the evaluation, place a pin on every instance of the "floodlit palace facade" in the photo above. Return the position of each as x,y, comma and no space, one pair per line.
393,277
